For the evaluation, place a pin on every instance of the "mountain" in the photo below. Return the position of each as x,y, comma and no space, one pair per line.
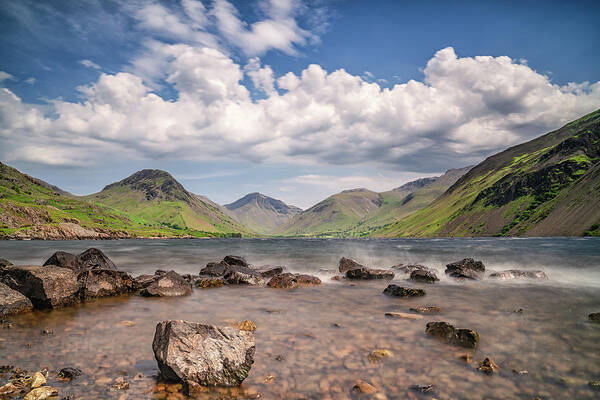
549,186
156,198
262,214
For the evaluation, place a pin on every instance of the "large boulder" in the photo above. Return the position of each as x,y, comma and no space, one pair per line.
63,259
167,285
346,264
90,259
215,269
423,276
290,281
518,274
12,302
46,287
104,282
236,260
369,273
399,291
198,354
449,334
466,268
240,275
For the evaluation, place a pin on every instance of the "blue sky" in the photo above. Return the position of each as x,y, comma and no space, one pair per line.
295,99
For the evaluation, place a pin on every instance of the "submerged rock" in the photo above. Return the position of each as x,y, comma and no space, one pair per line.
460,337
369,273
90,259
168,285
594,317
236,260
487,366
104,282
379,354
423,388
346,264
466,268
46,287
241,275
206,355
12,301
399,291
426,309
518,274
423,276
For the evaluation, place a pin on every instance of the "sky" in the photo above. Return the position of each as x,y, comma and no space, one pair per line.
296,99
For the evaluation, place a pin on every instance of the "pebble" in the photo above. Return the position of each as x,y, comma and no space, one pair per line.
488,366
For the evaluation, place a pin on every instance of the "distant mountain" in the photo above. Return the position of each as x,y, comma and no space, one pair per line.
155,197
549,186
262,214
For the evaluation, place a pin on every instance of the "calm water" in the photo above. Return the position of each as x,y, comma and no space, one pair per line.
316,340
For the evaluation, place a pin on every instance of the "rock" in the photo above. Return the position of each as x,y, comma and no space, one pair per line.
37,380
518,274
594,317
211,282
270,379
241,275
423,276
160,272
346,264
369,273
410,268
121,384
236,260
246,325
90,259
69,373
423,388
63,259
467,268
268,271
215,269
402,315
398,291
426,309
283,281
104,282
5,263
520,372
307,280
168,285
203,354
487,366
379,354
338,278
595,385
12,302
41,393
460,337
363,387
143,281
45,287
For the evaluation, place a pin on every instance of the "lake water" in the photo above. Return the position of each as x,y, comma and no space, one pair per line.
315,341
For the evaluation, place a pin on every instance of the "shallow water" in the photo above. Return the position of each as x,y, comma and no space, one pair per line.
316,340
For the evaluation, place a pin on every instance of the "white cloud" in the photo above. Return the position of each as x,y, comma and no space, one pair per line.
89,64
5,76
31,80
262,77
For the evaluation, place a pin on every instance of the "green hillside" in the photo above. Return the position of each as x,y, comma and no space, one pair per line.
155,197
549,186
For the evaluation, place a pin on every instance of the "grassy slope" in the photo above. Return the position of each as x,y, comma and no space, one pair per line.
548,186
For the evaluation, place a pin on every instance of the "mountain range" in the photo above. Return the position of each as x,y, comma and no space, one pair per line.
549,186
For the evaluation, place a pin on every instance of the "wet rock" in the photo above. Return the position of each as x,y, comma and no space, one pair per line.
5,263
369,273
121,384
423,276
518,274
42,393
466,268
63,259
399,291
346,264
160,272
487,366
363,387
269,271
289,281
46,287
69,373
189,278
143,281
210,282
410,268
594,317
270,379
215,269
595,385
168,285
236,260
379,354
37,380
246,325
104,282
426,309
423,388
203,354
90,259
307,280
402,315
459,337
13,302
241,275
338,278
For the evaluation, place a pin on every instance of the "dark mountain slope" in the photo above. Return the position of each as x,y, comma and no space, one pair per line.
261,213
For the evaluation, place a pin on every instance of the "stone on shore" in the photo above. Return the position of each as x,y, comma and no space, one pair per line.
241,275
269,271
346,264
466,268
168,285
46,287
13,302
104,282
369,273
90,259
519,274
459,337
423,276
307,280
236,260
215,269
143,281
399,291
206,355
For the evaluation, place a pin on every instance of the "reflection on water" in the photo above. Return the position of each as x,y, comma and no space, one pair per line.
316,340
